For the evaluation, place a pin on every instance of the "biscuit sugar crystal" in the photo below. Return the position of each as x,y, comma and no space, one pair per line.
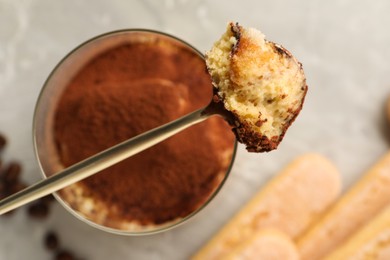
259,82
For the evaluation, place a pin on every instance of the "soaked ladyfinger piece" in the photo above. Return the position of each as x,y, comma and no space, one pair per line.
289,202
355,208
267,244
260,83
370,242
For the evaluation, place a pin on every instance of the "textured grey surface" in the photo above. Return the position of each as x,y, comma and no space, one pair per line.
343,45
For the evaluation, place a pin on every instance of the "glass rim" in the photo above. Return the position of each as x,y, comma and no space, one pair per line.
148,230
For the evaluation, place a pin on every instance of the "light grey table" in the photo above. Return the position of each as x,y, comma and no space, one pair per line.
344,46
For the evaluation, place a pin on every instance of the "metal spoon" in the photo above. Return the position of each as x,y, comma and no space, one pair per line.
108,157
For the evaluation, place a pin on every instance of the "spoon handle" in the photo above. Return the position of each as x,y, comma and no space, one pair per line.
100,161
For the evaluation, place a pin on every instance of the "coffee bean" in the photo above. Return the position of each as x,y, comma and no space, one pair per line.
47,199
10,183
2,187
38,210
16,187
1,170
64,255
11,174
51,241
3,142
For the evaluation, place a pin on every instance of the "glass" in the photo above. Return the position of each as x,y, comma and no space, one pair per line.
52,91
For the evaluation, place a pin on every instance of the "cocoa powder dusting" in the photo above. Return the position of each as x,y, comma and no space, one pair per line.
128,90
